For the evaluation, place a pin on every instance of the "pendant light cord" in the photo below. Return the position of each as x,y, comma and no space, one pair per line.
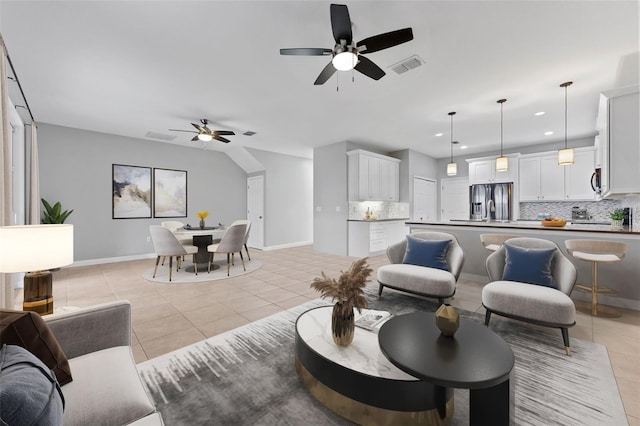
451,114
501,102
565,85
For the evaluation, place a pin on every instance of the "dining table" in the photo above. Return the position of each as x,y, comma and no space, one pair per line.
202,238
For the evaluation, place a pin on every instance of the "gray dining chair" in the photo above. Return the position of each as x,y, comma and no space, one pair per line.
231,243
246,234
166,243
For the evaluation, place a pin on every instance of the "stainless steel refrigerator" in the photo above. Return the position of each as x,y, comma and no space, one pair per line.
491,201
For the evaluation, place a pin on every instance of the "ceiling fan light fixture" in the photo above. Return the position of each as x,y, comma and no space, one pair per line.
204,137
344,61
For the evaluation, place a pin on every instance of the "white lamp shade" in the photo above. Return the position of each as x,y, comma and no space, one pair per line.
204,137
452,169
28,248
565,156
344,61
502,164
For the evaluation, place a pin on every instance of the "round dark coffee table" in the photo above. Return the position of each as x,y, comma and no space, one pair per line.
475,358
358,382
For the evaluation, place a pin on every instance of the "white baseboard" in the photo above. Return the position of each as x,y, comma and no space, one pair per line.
283,246
101,261
104,260
604,299
475,278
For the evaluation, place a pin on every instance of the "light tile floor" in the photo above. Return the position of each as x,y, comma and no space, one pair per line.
167,317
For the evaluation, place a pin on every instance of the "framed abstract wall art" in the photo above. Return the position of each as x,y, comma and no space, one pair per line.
170,193
131,192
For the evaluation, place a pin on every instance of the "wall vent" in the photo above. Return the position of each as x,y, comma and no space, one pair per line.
407,64
161,136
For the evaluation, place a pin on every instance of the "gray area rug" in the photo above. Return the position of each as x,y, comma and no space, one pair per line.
247,376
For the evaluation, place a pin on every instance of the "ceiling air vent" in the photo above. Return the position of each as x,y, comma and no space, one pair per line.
249,133
407,64
161,136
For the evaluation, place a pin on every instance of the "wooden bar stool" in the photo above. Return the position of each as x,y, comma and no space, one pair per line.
596,251
492,242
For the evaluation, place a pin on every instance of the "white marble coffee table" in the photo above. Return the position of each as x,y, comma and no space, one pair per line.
358,382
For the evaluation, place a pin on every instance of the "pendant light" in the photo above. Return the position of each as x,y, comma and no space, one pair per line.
452,167
565,156
502,162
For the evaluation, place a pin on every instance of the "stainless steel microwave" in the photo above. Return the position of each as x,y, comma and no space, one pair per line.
596,181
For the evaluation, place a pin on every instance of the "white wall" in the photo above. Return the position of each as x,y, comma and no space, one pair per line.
288,198
75,169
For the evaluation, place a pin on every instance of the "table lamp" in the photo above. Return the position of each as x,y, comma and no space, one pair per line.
34,249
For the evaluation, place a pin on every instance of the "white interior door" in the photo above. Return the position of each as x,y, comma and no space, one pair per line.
454,198
424,199
255,211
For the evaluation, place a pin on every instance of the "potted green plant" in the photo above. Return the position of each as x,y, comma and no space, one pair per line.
348,293
53,214
616,218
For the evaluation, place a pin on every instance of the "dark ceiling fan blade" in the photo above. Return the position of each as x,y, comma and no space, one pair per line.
223,132
386,40
341,23
306,51
195,138
176,130
368,68
221,139
326,73
199,127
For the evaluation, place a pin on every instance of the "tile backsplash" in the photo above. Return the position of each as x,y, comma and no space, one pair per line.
382,209
597,210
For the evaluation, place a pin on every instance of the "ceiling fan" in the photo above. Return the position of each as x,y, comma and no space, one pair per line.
346,55
205,134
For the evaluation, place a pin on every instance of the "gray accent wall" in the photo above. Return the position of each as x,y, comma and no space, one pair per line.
288,197
75,169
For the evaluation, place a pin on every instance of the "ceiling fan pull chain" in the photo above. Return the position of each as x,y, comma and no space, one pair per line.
337,82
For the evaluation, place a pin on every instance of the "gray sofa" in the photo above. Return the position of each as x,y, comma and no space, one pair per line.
106,388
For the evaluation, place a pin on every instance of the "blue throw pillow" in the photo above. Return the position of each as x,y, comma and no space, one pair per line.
429,253
528,265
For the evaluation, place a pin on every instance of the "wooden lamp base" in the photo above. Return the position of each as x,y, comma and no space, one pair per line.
38,292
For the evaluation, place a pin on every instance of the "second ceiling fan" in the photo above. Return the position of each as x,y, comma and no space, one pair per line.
205,134
346,55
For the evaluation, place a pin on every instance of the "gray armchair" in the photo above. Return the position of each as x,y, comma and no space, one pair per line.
106,387
422,280
536,304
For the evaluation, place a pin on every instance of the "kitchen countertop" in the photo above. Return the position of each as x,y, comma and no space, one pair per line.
378,220
532,225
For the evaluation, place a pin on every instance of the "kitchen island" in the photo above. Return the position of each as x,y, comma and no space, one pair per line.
624,277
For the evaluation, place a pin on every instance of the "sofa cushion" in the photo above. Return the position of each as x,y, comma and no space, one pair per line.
418,279
528,265
28,330
29,392
428,253
534,302
106,389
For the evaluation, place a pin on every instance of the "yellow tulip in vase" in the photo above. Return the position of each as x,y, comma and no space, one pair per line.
202,214
348,293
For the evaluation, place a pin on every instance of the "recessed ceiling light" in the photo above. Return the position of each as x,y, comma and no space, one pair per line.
438,134
548,133
539,113
463,147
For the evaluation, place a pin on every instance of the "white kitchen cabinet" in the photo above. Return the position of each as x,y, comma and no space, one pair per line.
372,238
623,140
373,177
484,171
543,179
577,178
